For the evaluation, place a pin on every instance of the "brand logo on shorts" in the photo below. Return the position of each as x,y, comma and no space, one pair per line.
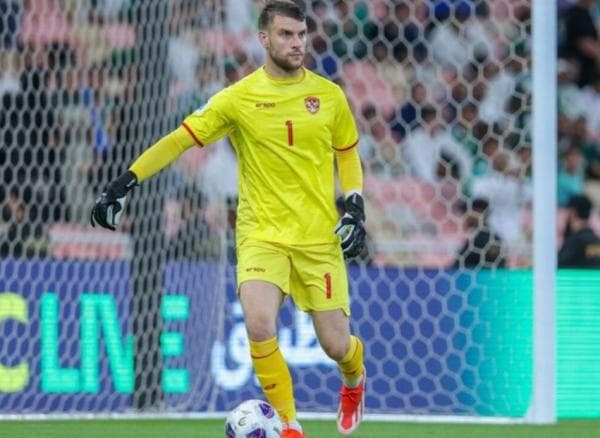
313,104
256,270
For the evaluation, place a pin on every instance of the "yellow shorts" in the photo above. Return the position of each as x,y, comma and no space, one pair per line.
314,275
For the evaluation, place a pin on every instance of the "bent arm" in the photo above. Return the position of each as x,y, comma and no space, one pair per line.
161,154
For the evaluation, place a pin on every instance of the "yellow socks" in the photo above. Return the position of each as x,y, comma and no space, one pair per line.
276,381
351,365
274,377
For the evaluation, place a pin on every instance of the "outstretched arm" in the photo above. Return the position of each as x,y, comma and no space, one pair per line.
161,154
109,206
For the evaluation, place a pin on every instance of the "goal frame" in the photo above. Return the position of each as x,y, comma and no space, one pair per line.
544,24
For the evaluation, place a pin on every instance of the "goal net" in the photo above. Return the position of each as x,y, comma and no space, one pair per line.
145,319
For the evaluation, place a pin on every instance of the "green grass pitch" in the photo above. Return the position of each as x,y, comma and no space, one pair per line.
314,429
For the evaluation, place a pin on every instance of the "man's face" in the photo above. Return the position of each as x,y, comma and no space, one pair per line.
285,42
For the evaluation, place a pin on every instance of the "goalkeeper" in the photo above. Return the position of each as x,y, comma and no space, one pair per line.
286,125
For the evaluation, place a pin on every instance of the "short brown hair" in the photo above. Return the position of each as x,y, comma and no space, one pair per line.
286,8
581,205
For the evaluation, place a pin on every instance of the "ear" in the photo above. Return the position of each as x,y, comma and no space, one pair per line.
263,38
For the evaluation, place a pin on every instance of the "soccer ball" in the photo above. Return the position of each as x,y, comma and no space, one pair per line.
253,419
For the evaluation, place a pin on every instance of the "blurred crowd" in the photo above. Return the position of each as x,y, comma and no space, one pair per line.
441,90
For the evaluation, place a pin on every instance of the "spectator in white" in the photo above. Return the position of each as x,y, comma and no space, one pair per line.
448,42
9,73
423,70
218,177
423,148
570,97
377,149
507,195
481,34
184,50
501,84
79,162
240,24
239,16
590,105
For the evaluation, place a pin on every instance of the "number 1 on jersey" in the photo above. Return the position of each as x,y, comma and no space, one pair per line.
290,128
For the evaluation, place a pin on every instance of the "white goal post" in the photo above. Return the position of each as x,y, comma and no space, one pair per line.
544,167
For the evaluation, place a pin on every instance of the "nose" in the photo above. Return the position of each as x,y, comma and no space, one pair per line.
298,41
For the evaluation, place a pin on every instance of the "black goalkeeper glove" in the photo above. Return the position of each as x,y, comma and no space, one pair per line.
110,204
351,226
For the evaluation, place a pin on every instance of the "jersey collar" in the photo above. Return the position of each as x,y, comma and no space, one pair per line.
286,81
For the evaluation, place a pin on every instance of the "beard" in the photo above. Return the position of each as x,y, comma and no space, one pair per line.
284,63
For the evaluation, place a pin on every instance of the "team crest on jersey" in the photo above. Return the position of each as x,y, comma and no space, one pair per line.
313,104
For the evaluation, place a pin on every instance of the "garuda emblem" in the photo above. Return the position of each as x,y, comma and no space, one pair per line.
313,104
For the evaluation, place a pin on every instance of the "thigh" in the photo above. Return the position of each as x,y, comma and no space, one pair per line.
260,301
263,274
318,280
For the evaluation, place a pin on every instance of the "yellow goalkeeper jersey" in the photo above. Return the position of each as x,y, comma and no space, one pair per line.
285,133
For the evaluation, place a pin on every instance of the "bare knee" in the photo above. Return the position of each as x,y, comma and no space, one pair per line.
333,330
335,348
260,301
260,327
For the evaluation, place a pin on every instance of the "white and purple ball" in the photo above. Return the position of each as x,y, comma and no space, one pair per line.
253,419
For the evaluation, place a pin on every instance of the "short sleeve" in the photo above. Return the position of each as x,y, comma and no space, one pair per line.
213,121
345,134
